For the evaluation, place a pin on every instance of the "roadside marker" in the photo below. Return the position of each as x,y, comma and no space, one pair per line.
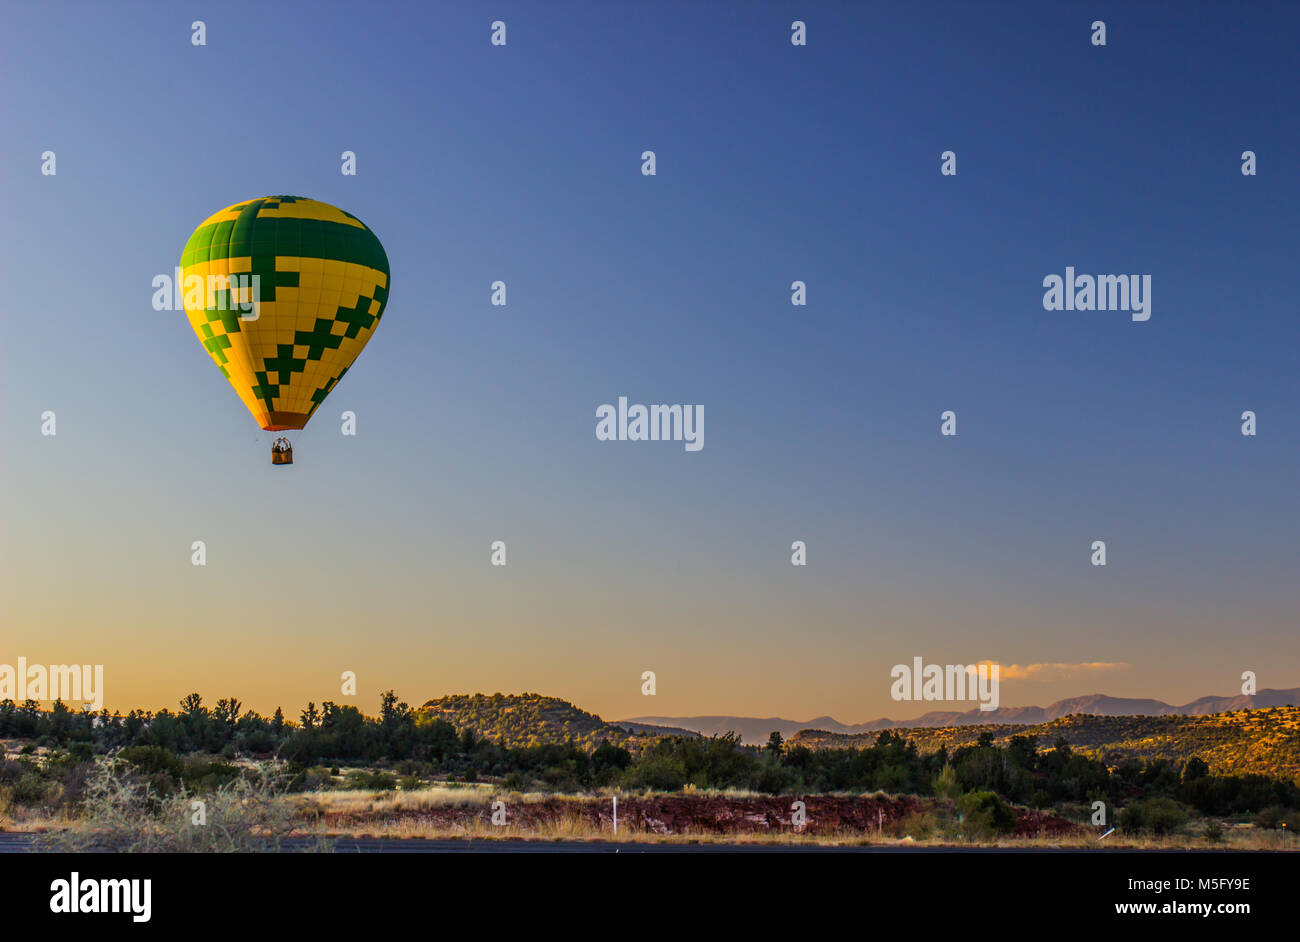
1106,835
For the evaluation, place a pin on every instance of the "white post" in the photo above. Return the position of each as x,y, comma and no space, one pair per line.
616,815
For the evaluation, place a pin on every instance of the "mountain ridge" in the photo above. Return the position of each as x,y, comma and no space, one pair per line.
754,730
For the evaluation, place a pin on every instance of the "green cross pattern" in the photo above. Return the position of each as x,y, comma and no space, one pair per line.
285,364
262,240
318,339
319,395
265,389
216,345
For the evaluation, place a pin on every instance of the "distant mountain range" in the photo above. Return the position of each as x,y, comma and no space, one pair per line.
755,730
1234,735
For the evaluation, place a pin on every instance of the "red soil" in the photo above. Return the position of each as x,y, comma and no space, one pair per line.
699,814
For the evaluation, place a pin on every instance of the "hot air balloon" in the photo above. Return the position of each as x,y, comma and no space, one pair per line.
292,291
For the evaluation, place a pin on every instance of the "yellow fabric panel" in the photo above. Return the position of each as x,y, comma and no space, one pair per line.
325,286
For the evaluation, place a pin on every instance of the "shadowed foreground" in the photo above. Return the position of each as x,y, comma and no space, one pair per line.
25,843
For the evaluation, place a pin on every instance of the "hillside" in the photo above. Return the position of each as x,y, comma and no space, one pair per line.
1265,741
530,719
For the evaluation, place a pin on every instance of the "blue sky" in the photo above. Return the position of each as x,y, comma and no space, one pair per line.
775,163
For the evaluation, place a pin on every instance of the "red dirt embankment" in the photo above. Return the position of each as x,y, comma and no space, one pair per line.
692,814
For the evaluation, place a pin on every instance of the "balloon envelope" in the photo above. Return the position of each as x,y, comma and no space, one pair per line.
322,282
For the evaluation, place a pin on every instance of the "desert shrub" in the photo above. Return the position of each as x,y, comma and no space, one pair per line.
657,773
160,767
22,782
919,826
29,789
985,815
149,760
201,775
776,779
314,779
364,780
120,813
67,789
561,778
1276,816
1157,815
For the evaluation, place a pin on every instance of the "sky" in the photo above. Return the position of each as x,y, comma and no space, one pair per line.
475,423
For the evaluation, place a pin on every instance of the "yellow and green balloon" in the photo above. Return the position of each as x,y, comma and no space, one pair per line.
322,285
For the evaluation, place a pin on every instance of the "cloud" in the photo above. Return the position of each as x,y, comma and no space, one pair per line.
1048,672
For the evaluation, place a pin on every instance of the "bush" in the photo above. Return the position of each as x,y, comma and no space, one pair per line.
372,781
22,782
314,779
658,773
776,779
985,815
121,814
1157,815
150,760
1276,816
560,778
203,775
919,826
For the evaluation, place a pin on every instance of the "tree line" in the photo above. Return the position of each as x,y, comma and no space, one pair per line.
194,746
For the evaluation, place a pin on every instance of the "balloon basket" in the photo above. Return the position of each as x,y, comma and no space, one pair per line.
281,452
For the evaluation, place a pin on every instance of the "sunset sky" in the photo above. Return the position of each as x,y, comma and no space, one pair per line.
476,423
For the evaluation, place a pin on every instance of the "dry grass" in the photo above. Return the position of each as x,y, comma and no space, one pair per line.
403,815
578,829
122,814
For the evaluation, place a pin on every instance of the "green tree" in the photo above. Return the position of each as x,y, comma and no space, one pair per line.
309,716
1195,768
985,815
946,784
